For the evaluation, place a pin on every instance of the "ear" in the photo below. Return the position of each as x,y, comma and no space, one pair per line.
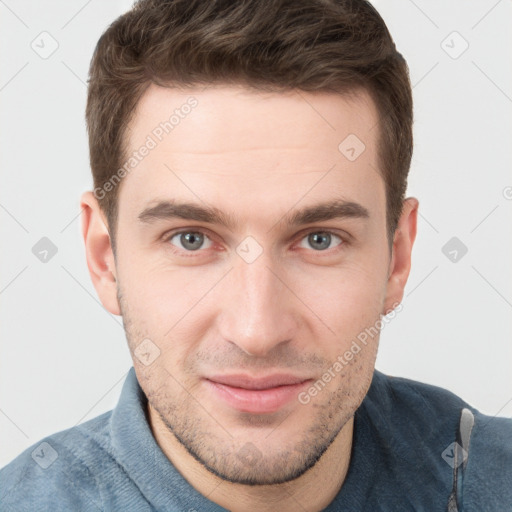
98,251
400,264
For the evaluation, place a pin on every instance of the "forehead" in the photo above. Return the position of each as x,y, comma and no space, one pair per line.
229,143
234,115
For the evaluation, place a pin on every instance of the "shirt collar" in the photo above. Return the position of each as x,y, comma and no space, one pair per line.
140,456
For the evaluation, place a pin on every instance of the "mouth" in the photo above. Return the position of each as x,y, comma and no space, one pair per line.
256,395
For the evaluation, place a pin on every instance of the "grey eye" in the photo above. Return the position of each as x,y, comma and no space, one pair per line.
190,240
319,240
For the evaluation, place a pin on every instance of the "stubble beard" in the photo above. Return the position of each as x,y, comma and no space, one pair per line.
235,458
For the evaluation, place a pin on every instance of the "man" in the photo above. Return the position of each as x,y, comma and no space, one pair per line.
249,223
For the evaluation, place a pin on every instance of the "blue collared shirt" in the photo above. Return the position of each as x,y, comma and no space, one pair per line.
416,447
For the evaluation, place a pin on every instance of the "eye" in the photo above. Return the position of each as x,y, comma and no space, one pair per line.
190,240
320,240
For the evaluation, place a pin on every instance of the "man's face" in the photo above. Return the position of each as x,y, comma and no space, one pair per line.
260,291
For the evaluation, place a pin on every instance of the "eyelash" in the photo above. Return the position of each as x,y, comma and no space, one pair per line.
169,236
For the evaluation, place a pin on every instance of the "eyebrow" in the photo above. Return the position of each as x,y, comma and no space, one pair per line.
336,209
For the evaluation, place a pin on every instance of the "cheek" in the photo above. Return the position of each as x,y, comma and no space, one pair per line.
154,310
348,299
155,287
171,306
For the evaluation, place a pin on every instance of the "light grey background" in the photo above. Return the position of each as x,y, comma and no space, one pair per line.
63,357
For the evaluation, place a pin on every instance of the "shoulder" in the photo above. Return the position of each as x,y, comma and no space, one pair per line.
416,405
62,471
419,401
413,409
487,465
424,426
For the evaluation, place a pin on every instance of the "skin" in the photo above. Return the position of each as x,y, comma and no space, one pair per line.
259,158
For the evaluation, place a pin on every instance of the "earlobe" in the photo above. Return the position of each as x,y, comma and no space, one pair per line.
99,254
400,264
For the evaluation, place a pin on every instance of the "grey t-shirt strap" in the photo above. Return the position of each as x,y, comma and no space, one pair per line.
461,455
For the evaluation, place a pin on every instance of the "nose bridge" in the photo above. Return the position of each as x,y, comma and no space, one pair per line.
257,312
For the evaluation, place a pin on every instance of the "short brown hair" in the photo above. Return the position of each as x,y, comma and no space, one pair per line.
268,45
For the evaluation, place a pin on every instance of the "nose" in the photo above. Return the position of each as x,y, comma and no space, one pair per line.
257,308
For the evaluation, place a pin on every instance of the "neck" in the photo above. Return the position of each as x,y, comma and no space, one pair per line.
312,491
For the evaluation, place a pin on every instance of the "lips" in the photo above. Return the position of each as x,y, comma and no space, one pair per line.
246,382
256,395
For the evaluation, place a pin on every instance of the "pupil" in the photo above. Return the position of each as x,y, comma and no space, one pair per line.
192,241
320,240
